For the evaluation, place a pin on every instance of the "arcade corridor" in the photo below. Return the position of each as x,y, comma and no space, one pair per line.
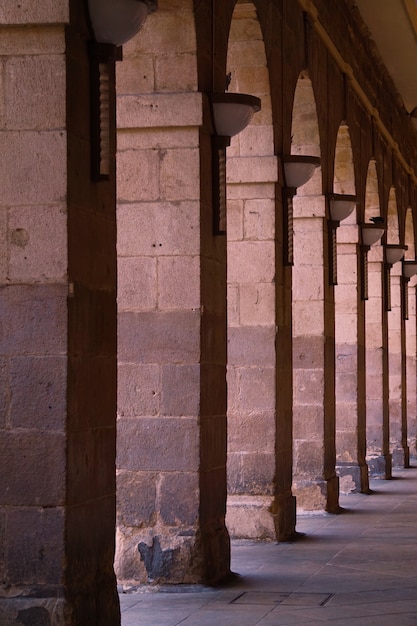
354,569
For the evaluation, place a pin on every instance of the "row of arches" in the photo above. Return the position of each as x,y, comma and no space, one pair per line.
320,376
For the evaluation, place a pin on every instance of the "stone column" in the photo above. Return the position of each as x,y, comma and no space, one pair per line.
374,315
251,346
396,343
350,372
411,375
172,347
58,340
315,481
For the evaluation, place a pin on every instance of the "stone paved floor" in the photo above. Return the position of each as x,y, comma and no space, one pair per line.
357,568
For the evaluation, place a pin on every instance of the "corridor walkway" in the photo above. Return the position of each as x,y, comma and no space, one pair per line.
357,568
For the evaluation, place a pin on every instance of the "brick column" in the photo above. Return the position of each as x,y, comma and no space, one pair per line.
58,340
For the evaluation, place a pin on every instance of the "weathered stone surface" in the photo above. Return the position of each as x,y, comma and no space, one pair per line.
251,346
158,229
26,13
36,468
158,444
159,110
179,499
40,177
180,395
138,389
35,546
38,243
136,499
31,103
179,282
248,517
32,39
159,337
137,283
38,392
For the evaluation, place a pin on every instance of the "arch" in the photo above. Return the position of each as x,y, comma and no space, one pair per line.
392,233
344,171
372,202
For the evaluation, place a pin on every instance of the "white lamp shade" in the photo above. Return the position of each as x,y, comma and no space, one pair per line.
409,268
394,253
371,234
298,169
341,206
232,112
116,21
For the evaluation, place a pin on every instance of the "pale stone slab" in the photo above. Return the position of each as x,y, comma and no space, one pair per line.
178,282
135,75
180,174
160,110
259,219
138,175
254,261
137,283
257,304
183,78
158,228
40,173
18,40
252,170
28,12
35,92
156,138
38,243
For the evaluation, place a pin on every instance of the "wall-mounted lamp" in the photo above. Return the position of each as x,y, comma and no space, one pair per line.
231,113
409,270
340,207
113,22
117,21
298,169
370,235
393,253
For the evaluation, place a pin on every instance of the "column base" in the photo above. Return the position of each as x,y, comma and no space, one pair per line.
380,466
53,611
353,477
285,517
401,457
318,495
249,517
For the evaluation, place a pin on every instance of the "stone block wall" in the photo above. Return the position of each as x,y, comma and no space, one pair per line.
58,323
171,416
